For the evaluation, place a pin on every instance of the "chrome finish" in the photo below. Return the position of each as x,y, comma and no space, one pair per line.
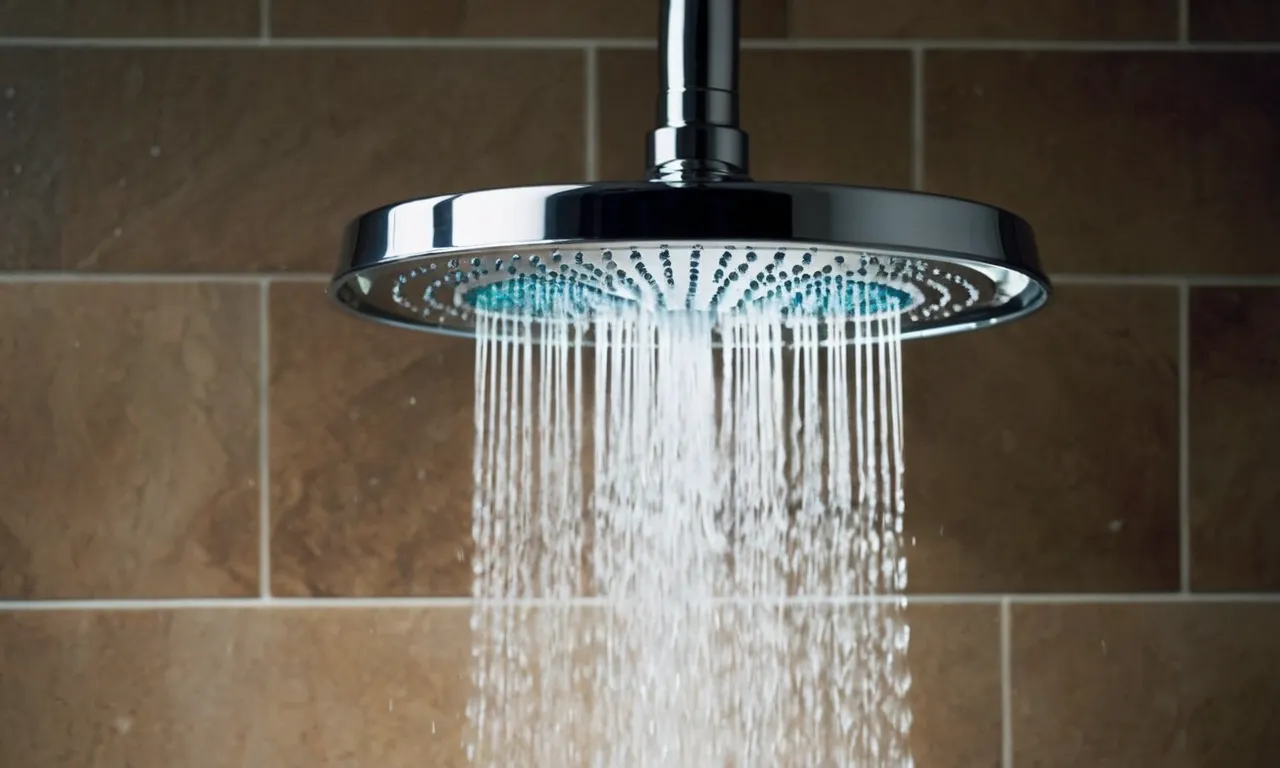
698,138
393,249
942,264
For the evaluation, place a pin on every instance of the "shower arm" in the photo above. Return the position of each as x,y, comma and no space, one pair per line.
697,138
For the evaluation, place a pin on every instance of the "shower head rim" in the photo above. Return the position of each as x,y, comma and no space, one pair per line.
815,215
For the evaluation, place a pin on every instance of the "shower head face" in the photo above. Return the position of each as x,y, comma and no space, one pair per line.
569,254
553,284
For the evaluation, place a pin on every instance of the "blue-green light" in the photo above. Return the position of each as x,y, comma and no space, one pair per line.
537,296
848,298
551,296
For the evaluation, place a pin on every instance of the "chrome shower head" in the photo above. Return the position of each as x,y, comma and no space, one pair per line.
697,236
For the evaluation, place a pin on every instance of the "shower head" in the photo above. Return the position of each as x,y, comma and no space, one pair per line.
698,235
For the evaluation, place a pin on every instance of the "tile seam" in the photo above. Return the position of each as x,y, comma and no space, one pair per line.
993,600
535,44
591,105
264,441
264,20
1184,436
1006,685
917,119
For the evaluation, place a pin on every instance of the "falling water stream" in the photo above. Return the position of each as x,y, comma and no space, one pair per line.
726,494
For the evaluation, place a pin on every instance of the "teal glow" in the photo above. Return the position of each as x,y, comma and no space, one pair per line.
536,296
848,298
551,296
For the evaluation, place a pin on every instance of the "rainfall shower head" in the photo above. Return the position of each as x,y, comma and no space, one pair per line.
698,235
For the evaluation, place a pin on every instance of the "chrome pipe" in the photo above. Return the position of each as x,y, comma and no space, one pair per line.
698,138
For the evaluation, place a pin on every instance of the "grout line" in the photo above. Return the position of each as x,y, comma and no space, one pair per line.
589,602
264,20
264,442
983,44
1143,598
1071,278
1006,684
1173,280
299,277
1184,435
917,118
370,43
1184,21
534,43
592,64
122,277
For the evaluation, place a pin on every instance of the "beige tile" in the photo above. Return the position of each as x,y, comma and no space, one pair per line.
128,440
30,158
986,19
234,160
497,18
1043,455
1235,20
195,688
371,433
1235,492
1126,685
305,687
1123,162
129,18
835,116
955,685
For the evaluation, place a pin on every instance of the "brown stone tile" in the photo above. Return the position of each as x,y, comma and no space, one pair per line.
1234,20
371,433
497,18
244,160
955,685
128,440
1117,686
1021,19
129,18
1123,162
839,116
1043,455
296,687
287,688
30,158
1235,492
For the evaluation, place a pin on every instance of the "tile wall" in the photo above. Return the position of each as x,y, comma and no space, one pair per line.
234,524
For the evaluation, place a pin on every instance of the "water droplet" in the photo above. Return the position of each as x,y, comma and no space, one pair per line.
9,93
155,150
17,169
117,232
